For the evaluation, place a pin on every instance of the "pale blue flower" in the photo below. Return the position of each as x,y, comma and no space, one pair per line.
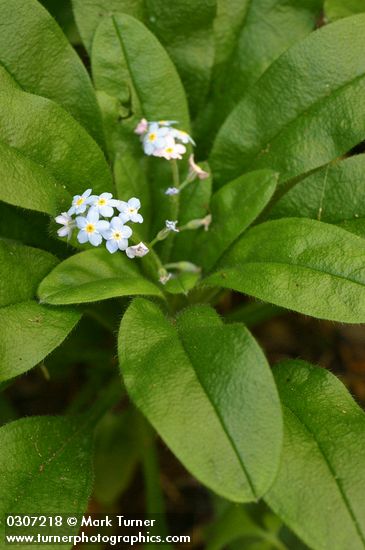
182,136
117,235
155,138
171,149
91,228
104,204
129,210
172,191
80,203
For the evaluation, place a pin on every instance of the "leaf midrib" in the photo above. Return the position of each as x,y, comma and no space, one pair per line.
219,416
332,472
269,141
118,280
305,268
126,58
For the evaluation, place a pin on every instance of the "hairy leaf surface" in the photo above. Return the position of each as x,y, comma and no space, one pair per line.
309,266
92,276
36,53
306,110
208,391
319,490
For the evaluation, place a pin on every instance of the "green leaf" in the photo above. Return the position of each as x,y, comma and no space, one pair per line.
336,9
184,28
131,181
88,14
305,265
236,524
234,207
44,150
333,194
306,110
119,70
30,228
249,37
21,269
27,184
49,66
324,452
92,276
196,380
62,12
194,204
181,283
30,331
7,82
45,467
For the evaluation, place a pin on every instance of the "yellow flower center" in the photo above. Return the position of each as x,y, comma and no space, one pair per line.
169,150
80,201
152,137
117,235
132,210
90,228
101,202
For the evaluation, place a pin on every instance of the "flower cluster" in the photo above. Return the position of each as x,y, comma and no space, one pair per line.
90,213
161,139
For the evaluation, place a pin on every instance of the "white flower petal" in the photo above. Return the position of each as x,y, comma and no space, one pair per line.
81,222
93,215
134,203
106,211
123,244
112,246
126,231
63,231
82,237
95,239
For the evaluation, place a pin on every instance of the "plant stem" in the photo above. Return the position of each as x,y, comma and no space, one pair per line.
174,209
109,397
155,504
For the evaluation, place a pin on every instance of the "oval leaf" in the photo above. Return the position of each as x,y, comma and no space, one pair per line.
250,36
324,452
306,110
44,151
29,333
234,207
309,266
92,276
49,66
208,391
333,194
89,12
119,70
184,28
52,472
21,269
